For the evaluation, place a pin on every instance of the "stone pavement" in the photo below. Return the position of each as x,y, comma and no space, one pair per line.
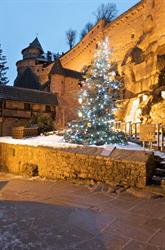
58,215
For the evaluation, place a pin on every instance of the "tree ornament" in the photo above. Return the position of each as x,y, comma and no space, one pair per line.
97,98
89,125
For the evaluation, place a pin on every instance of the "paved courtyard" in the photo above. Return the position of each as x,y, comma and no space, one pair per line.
57,215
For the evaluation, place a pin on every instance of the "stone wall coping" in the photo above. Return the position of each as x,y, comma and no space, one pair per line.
117,155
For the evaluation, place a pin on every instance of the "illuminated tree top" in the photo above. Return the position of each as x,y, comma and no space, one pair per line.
97,100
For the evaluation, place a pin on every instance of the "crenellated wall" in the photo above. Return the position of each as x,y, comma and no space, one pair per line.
82,54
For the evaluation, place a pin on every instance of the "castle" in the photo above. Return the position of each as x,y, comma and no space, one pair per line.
41,71
137,38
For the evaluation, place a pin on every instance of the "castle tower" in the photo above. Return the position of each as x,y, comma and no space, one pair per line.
34,61
34,50
31,56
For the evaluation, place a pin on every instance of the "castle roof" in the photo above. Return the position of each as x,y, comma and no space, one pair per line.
34,45
57,68
27,95
27,80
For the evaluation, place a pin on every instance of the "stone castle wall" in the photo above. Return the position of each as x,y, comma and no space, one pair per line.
134,169
40,70
67,89
137,38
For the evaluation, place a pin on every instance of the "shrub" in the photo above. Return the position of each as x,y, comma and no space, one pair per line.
44,123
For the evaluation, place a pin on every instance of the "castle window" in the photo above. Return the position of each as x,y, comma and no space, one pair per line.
80,84
132,35
27,106
48,108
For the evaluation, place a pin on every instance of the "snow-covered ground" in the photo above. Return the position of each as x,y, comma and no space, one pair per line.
57,141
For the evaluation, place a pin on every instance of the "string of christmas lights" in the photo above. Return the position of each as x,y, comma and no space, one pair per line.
97,103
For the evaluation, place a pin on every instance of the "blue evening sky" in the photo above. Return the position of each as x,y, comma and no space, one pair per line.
21,20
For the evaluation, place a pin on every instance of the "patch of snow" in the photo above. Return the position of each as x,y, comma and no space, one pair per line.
57,141
129,146
54,141
160,154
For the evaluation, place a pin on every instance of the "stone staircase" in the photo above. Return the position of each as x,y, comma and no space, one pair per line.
157,182
158,178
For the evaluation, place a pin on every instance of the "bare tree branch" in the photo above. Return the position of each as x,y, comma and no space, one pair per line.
71,37
86,29
106,11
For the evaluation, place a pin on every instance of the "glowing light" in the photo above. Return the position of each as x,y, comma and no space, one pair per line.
80,100
80,114
97,103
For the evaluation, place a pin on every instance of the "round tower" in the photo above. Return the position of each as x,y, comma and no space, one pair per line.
34,50
35,60
31,55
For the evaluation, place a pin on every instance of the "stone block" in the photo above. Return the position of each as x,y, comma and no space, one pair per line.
29,169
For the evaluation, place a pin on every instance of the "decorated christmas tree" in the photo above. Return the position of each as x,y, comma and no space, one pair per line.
97,98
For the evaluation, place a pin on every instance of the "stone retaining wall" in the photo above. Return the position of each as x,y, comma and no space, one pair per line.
124,167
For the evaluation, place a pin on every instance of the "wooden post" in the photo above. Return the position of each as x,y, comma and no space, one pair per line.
138,129
120,126
161,135
125,128
143,144
158,137
135,130
31,110
151,144
63,119
130,128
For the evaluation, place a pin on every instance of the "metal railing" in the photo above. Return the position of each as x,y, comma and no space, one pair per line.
134,129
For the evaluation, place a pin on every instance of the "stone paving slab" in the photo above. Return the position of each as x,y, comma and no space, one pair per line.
58,215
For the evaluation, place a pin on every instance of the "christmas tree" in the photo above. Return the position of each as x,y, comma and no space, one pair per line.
97,99
3,68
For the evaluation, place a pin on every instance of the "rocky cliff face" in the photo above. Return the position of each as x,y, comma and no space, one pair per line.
137,38
157,112
146,108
